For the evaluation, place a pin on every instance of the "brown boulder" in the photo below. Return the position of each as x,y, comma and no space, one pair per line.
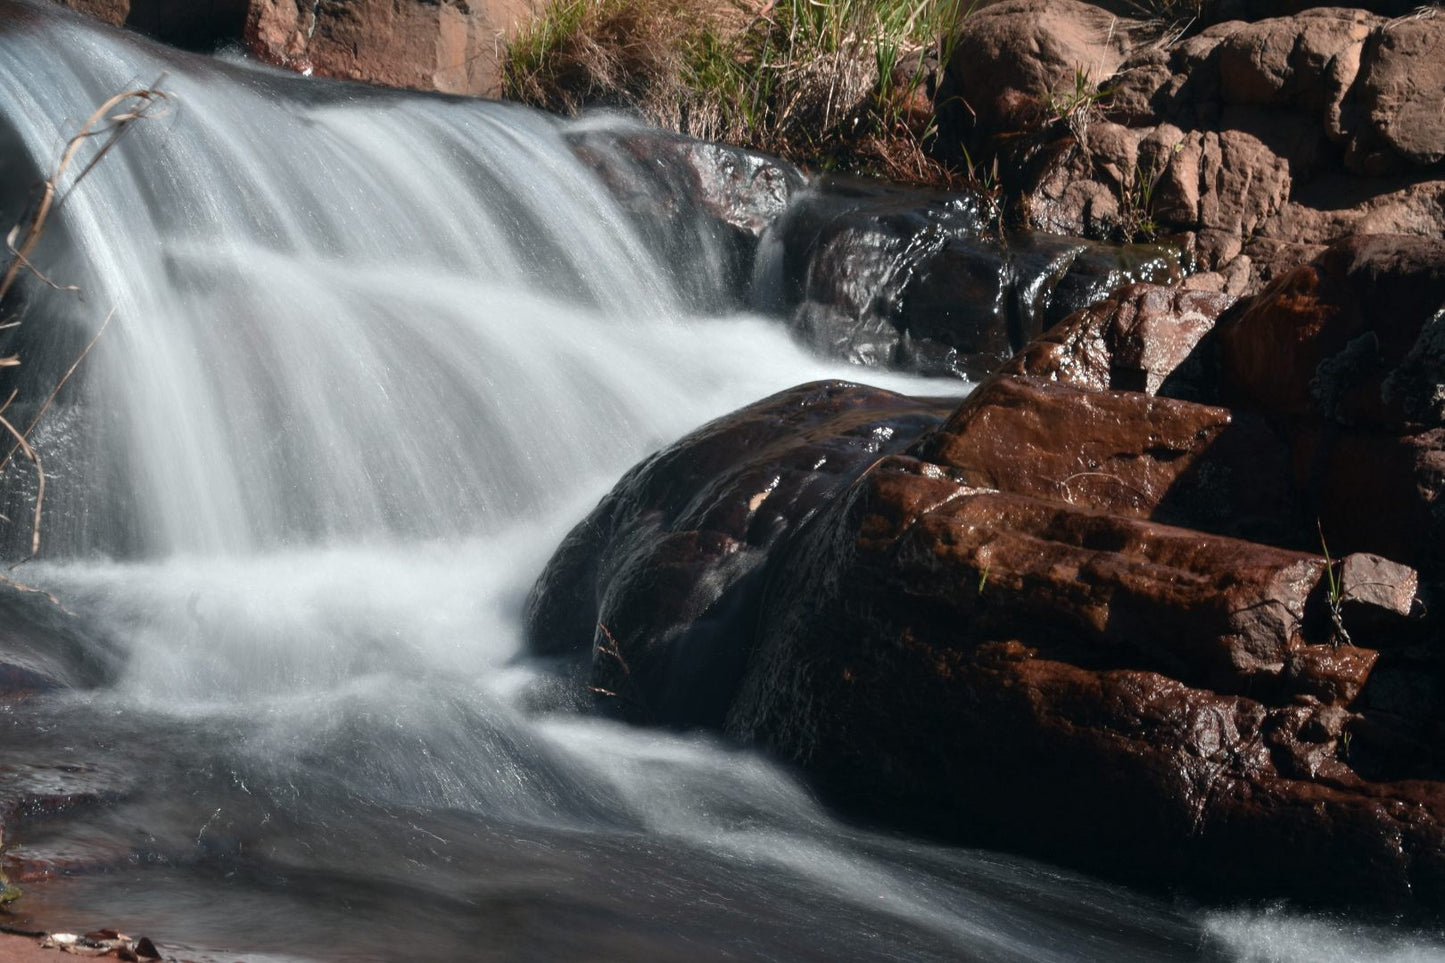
1307,61
1120,452
112,12
1327,338
917,608
655,583
1134,340
1401,95
453,47
1010,58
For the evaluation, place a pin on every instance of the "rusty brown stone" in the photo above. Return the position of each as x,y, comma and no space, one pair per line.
414,44
1165,781
1378,583
1132,341
1117,451
1323,339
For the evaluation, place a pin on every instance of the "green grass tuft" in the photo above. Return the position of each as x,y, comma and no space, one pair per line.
834,84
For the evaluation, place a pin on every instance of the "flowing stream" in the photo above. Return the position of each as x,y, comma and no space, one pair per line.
371,355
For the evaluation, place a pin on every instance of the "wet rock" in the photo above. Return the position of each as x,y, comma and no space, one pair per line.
44,647
1137,339
924,281
695,203
655,582
1169,780
1116,451
1053,586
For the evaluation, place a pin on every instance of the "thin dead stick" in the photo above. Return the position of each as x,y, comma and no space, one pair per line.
34,457
34,226
25,437
32,590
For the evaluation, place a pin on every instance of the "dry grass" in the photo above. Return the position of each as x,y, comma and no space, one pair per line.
833,84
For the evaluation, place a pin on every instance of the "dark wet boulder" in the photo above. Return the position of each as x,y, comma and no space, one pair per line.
927,282
44,647
1092,617
654,587
694,203
920,605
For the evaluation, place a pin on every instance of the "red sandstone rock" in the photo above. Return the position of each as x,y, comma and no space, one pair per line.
1011,56
1325,338
1401,95
655,582
448,46
1092,754
1132,341
1369,580
1122,452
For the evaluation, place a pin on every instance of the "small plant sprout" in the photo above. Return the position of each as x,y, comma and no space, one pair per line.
1335,588
1074,107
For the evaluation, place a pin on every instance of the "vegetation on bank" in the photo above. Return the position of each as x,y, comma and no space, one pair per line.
841,85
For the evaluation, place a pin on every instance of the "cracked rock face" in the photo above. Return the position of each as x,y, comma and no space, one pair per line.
1254,142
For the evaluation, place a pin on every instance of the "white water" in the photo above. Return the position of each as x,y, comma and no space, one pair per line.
371,357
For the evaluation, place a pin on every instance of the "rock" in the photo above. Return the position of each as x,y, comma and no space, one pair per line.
112,12
1371,582
1116,451
191,24
655,582
1009,58
1378,492
1308,61
695,203
450,46
1401,95
898,618
1051,585
1137,339
918,280
1326,338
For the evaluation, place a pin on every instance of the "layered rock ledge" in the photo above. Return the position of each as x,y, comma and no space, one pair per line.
1159,599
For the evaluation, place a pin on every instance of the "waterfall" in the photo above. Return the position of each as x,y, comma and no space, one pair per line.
371,354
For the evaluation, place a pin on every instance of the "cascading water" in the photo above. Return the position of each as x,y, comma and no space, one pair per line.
371,355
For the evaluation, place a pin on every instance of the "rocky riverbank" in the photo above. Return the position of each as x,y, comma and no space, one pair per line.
1159,599
1163,598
